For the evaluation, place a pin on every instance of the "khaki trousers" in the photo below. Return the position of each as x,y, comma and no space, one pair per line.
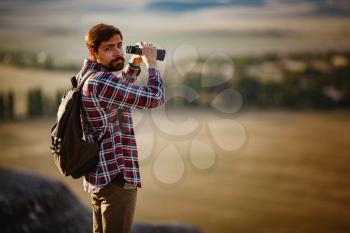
113,208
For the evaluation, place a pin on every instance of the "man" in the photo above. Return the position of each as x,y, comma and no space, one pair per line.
106,118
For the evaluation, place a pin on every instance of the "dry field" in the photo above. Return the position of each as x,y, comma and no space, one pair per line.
256,171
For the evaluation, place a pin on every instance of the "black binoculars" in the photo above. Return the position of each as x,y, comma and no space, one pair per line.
136,50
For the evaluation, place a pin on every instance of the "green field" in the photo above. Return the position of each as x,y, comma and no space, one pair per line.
291,174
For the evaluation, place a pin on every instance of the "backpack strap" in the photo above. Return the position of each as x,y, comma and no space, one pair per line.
82,79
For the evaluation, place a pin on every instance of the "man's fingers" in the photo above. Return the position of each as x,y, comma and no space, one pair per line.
140,44
152,45
145,44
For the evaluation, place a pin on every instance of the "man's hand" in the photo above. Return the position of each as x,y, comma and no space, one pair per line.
135,60
149,54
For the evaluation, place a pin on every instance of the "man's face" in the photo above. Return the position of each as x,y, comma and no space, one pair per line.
110,54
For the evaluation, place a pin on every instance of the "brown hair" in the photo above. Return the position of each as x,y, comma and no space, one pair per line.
99,33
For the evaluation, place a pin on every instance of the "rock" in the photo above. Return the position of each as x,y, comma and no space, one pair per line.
164,228
30,203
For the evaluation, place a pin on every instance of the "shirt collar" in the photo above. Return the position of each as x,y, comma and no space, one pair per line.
90,64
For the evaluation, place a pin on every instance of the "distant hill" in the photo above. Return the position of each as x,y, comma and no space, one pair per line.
323,7
179,6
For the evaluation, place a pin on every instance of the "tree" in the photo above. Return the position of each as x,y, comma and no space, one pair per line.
35,103
2,107
11,105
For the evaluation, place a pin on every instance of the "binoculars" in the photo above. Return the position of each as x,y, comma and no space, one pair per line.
136,50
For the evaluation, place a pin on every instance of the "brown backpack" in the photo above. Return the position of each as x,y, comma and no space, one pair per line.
73,155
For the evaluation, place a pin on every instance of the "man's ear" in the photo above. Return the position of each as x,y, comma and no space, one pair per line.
93,54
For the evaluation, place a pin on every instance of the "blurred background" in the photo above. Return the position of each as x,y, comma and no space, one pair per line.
254,133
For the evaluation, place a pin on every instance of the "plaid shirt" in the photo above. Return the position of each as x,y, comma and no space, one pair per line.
106,117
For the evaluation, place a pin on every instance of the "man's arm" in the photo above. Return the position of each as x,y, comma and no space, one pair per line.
113,92
130,73
132,70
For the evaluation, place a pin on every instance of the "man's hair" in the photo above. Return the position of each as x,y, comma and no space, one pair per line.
99,33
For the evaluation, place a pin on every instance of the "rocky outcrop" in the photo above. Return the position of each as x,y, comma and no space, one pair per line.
33,204
163,228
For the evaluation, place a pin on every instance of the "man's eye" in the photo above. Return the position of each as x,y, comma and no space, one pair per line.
109,48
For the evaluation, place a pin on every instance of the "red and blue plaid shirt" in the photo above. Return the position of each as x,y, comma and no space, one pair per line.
107,101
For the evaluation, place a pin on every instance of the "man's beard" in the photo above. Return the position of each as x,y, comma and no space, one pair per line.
113,66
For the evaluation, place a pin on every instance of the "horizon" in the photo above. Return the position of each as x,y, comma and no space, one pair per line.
58,27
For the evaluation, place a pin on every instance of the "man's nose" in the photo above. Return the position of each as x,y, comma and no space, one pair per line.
118,51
